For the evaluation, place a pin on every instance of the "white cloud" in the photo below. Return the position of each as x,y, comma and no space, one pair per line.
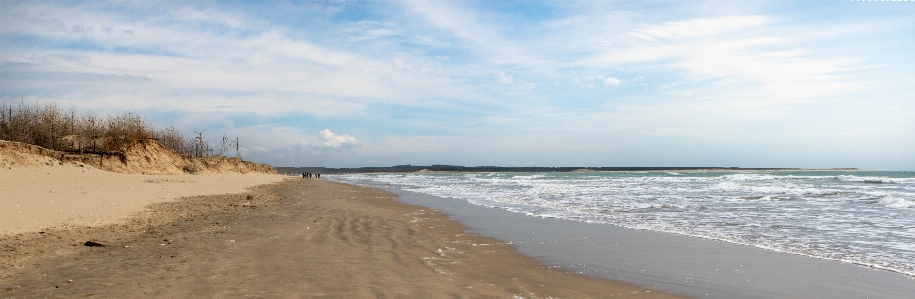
240,60
244,151
268,67
505,78
208,15
464,24
335,141
744,57
376,33
399,63
698,27
589,82
611,81
451,67
474,27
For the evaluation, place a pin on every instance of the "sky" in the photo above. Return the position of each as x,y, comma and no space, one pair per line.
810,84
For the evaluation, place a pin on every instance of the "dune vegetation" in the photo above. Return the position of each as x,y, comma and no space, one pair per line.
68,135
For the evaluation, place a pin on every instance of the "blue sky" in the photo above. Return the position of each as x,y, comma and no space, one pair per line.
813,84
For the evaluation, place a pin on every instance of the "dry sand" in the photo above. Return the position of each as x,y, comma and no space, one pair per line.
298,238
51,193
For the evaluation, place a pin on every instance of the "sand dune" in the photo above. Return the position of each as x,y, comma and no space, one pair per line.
41,188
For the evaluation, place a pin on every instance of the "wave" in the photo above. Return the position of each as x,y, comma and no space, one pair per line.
853,217
875,180
896,202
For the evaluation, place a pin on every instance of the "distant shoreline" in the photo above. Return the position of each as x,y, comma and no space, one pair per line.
481,169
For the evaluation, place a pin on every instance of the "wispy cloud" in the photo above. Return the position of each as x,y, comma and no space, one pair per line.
495,76
698,27
742,61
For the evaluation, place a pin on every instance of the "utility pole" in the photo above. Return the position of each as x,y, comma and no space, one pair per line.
198,145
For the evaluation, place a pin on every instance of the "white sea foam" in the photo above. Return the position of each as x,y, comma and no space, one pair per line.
896,202
875,180
862,218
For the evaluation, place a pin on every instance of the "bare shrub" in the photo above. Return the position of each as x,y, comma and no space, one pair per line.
190,168
172,139
51,127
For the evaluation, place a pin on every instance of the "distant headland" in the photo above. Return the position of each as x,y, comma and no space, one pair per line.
457,168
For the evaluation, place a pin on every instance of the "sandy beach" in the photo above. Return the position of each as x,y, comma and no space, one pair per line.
44,196
294,238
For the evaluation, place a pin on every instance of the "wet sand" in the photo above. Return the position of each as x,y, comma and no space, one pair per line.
679,264
298,238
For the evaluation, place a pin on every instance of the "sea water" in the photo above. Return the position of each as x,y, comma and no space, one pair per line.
865,218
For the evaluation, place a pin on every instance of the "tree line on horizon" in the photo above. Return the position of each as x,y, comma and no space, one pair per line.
458,168
52,127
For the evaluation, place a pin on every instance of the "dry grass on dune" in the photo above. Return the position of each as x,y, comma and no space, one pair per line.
51,127
121,143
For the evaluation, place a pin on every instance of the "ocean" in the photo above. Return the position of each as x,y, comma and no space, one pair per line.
860,217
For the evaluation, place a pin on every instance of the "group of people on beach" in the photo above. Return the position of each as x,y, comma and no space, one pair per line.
308,175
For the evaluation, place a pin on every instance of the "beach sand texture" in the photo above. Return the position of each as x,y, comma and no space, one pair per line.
295,238
36,197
